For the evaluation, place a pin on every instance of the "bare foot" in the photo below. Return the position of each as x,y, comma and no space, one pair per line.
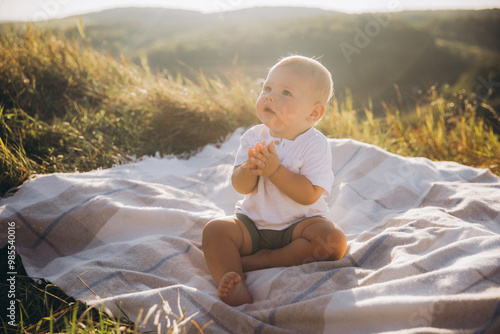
233,290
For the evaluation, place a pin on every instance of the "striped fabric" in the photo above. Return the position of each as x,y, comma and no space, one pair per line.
423,242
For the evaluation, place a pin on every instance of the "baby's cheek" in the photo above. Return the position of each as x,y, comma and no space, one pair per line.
288,115
277,124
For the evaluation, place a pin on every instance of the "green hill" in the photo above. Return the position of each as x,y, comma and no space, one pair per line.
368,53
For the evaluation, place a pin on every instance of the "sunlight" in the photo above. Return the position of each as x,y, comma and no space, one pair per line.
36,10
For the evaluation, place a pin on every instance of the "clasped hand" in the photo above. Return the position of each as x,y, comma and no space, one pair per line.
262,160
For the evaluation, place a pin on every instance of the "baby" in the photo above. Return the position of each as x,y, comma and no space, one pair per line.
283,167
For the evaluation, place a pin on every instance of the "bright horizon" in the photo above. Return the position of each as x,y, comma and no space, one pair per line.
33,10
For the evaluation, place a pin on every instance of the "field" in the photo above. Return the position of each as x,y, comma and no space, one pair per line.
76,95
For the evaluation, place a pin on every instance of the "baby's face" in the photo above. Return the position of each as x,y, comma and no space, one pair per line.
286,102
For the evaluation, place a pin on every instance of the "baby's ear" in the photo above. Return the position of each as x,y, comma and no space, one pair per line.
317,113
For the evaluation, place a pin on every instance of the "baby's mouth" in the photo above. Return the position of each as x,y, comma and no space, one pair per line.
269,110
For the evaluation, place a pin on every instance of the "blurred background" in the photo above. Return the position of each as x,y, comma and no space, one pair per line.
369,46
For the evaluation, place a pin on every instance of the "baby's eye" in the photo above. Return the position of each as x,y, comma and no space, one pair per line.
266,89
286,93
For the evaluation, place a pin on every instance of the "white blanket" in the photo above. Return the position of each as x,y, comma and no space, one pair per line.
423,243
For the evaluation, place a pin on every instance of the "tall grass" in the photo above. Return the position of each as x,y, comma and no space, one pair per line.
442,126
66,107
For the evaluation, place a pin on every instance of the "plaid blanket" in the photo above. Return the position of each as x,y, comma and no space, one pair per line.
423,245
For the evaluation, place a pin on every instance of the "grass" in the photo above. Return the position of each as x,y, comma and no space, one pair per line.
442,126
65,107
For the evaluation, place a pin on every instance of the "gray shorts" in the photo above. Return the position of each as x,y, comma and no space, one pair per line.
267,239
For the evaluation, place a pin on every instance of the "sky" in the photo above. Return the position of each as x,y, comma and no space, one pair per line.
35,10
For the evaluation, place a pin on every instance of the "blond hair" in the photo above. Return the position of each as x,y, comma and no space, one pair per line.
320,77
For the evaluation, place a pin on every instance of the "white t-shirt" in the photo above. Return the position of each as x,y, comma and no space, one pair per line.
309,155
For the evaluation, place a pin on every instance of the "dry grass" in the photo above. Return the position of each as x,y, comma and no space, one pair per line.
65,107
451,128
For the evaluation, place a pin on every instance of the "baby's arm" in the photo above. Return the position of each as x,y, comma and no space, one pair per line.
244,179
296,186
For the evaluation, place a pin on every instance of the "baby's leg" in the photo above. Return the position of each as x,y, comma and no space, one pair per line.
224,242
314,239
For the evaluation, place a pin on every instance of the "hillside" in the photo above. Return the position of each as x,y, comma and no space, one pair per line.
368,53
